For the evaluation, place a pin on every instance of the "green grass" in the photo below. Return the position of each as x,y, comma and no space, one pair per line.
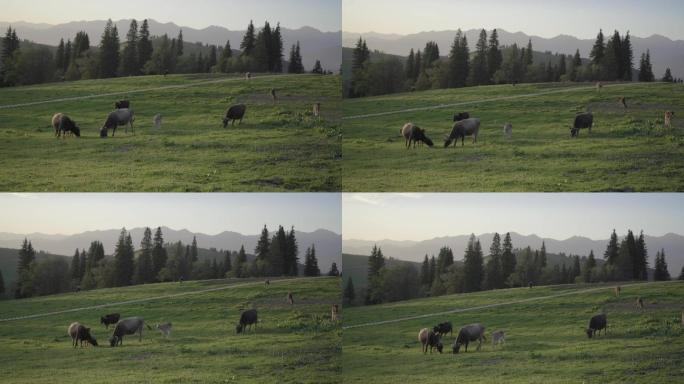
292,344
628,150
545,339
277,148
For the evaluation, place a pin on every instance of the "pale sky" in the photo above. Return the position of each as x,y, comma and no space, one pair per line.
209,213
545,18
324,15
415,216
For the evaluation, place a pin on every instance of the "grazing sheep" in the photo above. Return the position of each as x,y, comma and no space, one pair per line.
617,291
508,130
122,104
80,333
234,112
463,128
128,326
117,118
461,116
429,338
317,109
157,120
582,120
273,95
247,317
335,313
467,334
667,122
111,318
498,337
443,328
413,134
290,298
596,324
165,329
63,124
640,303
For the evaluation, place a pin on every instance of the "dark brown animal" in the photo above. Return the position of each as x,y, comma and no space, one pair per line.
461,116
622,100
247,318
428,338
596,324
582,120
111,318
63,125
80,333
413,134
290,298
122,104
668,119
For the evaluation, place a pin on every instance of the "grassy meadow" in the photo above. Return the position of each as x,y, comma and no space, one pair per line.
545,339
280,147
292,344
628,149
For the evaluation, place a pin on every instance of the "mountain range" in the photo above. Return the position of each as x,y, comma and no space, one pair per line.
665,52
673,244
328,244
315,44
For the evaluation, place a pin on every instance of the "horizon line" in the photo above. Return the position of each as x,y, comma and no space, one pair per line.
152,228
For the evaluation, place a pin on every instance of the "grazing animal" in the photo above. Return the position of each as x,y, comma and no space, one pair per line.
413,134
463,128
317,109
273,95
508,130
117,118
622,100
165,329
428,338
247,317
640,303
122,104
598,86
111,318
335,312
461,116
128,326
467,334
248,75
667,122
596,324
617,291
157,120
234,112
63,124
498,337
80,333
290,298
583,120
443,328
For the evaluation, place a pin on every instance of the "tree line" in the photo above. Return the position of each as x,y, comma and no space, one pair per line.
491,63
156,261
504,267
29,63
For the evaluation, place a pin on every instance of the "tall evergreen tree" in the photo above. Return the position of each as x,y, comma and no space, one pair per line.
24,284
317,68
227,265
81,44
542,255
9,56
473,269
494,55
145,48
261,251
311,263
226,54
376,262
349,293
661,273
508,260
589,266
433,269
667,77
144,266
194,251
645,68
179,44
276,51
109,51
479,71
562,66
68,55
598,51
425,275
248,41
82,264
445,259
430,54
417,64
290,267
459,66
277,257
640,259
612,62
76,265
2,284
493,268
360,61
295,65
626,58
59,56
129,60
333,270
528,57
625,266
612,250
124,259
159,256
211,60
410,61
575,65
241,262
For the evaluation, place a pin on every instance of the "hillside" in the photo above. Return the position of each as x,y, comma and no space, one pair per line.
293,343
9,259
545,339
279,147
356,267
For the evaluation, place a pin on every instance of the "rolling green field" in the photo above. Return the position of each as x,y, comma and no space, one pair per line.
628,149
292,344
545,339
278,147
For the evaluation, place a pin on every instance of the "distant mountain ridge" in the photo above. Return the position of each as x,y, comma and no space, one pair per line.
673,244
315,44
328,244
665,52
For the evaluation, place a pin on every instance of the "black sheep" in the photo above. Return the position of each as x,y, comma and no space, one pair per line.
597,323
247,317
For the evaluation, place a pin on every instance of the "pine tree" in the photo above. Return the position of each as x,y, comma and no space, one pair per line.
589,266
681,274
417,65
562,66
494,55
145,48
59,56
459,61
227,265
81,44
542,255
645,68
68,55
276,51
667,77
624,263
493,268
473,268
612,250
278,253
376,263
144,267
295,65
27,256
333,270
575,66
226,54
241,262
349,293
527,57
194,252
2,285
661,273
433,269
410,61
179,44
360,61
211,60
612,62
317,68
479,72
626,58
262,252
311,263
83,263
76,265
248,41
640,259
291,259
9,56
445,259
598,50
129,60
124,259
109,51
159,256
508,260
576,269
425,275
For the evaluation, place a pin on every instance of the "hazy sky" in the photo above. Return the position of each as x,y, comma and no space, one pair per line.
210,213
545,18
232,14
413,216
